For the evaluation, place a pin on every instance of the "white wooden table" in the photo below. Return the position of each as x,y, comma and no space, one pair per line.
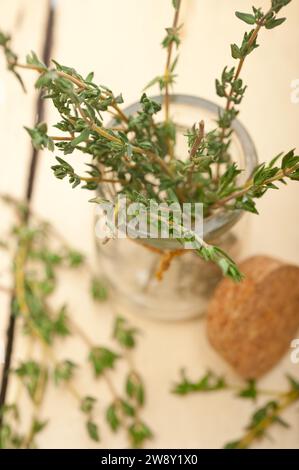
120,40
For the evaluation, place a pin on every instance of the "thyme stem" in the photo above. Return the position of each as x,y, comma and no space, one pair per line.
75,81
288,400
104,133
168,61
242,60
194,148
89,343
38,399
25,312
250,184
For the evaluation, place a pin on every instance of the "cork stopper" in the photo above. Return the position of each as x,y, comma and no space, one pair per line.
251,324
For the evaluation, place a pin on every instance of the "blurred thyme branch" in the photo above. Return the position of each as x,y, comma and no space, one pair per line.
34,280
263,417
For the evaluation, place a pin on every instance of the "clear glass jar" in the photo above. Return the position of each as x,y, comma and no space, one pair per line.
130,267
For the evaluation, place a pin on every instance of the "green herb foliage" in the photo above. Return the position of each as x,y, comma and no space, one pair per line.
37,257
138,156
263,417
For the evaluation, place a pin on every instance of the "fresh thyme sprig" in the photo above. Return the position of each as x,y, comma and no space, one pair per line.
169,41
263,178
263,417
206,251
10,56
137,156
231,86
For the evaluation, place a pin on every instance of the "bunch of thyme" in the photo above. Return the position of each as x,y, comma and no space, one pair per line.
138,155
35,263
262,418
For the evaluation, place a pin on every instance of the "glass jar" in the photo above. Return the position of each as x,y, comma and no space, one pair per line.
130,267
